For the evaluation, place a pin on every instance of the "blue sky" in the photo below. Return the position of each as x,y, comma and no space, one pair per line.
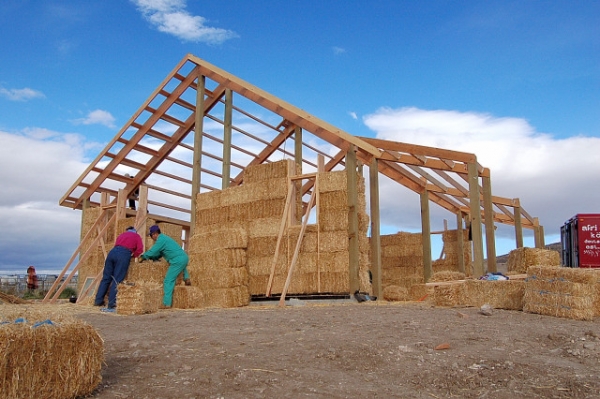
516,82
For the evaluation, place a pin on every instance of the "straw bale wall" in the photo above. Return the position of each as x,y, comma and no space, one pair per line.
138,298
561,292
61,357
401,260
420,292
521,258
449,295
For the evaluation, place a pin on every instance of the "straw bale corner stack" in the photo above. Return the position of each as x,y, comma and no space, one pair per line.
49,356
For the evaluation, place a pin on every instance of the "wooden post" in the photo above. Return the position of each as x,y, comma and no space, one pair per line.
488,211
518,225
298,171
460,242
375,228
353,250
197,160
142,213
476,232
537,233
227,123
426,235
121,206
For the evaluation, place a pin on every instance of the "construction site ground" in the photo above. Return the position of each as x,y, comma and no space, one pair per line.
345,349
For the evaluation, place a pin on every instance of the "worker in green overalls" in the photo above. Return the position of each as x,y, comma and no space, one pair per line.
166,247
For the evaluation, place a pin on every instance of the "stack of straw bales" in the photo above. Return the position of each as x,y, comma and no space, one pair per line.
48,355
449,261
521,258
94,263
561,292
138,298
505,294
402,266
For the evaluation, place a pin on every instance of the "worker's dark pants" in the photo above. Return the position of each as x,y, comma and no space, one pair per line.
115,270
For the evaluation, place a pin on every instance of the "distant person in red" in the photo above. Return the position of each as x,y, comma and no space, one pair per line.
128,245
32,280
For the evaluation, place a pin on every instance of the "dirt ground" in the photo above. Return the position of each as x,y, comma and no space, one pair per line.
343,349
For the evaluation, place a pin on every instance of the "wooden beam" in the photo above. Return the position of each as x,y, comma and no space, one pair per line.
518,227
375,228
460,242
227,139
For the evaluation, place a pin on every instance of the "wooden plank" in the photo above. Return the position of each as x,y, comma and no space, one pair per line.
284,221
460,242
297,250
518,227
353,250
422,150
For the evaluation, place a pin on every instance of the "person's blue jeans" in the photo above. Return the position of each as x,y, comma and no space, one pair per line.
115,270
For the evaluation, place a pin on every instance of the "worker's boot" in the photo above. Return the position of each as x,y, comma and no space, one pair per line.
187,281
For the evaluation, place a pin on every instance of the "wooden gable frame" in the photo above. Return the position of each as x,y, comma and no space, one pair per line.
243,125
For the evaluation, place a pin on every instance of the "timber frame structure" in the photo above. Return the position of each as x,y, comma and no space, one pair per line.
203,126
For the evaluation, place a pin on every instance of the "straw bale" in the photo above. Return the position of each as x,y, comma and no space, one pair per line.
395,274
272,170
265,246
444,265
220,258
333,282
550,304
332,181
147,271
261,209
55,361
264,227
331,219
447,276
221,278
364,281
334,262
333,200
395,293
226,297
364,222
402,250
449,295
138,298
333,241
122,224
403,239
402,262
212,216
187,297
507,294
261,265
521,258
208,200
258,284
420,292
257,191
210,240
172,230
561,273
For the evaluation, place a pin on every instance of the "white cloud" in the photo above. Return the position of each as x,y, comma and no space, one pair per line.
37,166
553,178
170,16
21,94
338,50
353,115
97,117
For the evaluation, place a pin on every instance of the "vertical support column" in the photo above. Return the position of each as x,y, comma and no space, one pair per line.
298,170
227,138
460,241
375,228
426,238
542,237
488,211
518,225
121,206
476,231
353,250
197,160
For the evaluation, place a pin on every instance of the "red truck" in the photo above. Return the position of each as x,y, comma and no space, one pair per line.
580,239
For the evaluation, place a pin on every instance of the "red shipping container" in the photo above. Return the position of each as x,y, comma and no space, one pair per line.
580,237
